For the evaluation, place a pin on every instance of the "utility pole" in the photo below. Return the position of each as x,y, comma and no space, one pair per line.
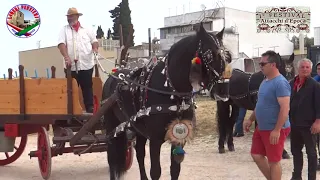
149,39
123,59
119,60
274,47
121,35
258,50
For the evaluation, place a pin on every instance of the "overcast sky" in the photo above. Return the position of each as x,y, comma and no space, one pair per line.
144,13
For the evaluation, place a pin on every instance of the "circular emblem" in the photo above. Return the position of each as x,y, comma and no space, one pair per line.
23,21
180,131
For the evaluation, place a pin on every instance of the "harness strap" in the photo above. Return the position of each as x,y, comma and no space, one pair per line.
179,94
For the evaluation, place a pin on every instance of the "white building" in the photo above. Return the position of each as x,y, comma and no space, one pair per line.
241,35
316,36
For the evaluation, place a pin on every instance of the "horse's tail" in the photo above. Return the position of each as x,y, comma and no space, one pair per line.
218,119
117,144
117,149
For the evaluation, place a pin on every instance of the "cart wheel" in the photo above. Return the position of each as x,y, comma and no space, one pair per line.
18,150
129,156
44,153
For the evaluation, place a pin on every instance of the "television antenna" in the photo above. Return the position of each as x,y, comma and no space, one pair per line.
203,7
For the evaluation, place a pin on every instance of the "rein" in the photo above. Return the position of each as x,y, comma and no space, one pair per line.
122,77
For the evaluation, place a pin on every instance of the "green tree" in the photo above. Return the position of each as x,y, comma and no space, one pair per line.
109,35
115,15
122,15
100,33
308,41
125,20
295,41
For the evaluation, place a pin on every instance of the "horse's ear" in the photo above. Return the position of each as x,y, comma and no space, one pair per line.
220,34
291,59
200,29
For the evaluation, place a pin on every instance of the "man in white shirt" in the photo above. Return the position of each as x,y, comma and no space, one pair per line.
77,45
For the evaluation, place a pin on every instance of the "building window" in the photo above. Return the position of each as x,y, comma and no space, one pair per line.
163,33
207,26
110,45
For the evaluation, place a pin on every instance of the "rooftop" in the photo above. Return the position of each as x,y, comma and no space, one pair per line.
185,24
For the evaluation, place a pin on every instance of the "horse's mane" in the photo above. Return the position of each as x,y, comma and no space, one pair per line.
182,47
222,50
227,55
282,68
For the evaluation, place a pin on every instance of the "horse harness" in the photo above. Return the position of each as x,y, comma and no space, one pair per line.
247,81
137,83
207,58
139,79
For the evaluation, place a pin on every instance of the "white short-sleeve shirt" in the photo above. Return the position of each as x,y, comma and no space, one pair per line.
83,40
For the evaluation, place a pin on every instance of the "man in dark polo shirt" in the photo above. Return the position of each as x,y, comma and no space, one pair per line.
304,119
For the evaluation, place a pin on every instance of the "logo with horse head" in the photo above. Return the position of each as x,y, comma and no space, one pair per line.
23,21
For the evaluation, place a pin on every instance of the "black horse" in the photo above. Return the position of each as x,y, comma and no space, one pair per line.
155,102
241,91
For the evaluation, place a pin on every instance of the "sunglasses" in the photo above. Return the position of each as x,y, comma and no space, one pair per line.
263,63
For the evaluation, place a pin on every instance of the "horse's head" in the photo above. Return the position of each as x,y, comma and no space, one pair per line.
286,67
289,67
210,59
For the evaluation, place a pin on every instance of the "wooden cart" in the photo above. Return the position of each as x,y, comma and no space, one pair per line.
30,106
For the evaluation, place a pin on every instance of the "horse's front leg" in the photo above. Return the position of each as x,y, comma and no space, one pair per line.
222,135
140,154
231,123
176,159
155,148
222,118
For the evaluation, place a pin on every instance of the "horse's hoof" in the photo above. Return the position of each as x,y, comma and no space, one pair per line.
222,150
231,148
178,158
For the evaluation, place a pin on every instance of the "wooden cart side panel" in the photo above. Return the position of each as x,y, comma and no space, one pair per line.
97,90
42,96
